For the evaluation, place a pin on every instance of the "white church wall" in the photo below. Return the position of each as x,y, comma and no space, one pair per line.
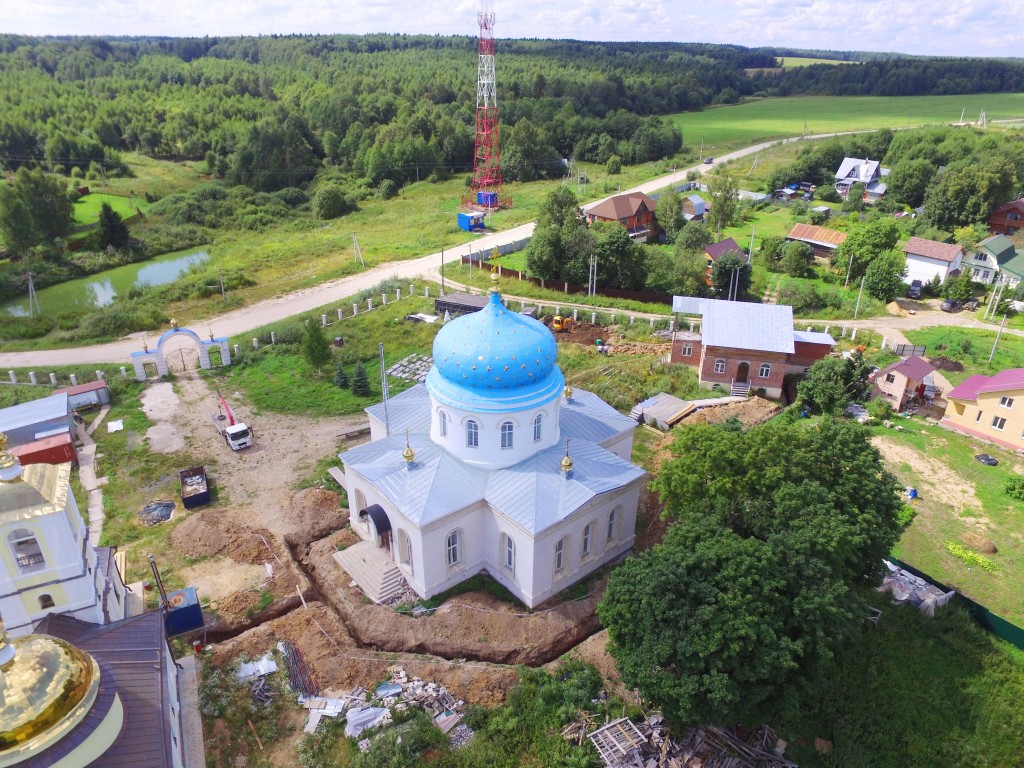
621,445
488,450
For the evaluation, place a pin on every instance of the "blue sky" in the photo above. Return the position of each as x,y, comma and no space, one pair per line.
963,28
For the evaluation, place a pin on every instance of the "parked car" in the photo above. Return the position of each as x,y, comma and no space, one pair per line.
950,305
971,305
914,291
708,160
987,459
807,197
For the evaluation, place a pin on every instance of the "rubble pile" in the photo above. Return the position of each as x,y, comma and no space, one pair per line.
412,368
649,744
908,589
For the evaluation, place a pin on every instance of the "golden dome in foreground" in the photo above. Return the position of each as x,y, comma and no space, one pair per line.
46,687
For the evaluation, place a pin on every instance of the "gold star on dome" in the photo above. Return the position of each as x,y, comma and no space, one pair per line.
488,368
506,367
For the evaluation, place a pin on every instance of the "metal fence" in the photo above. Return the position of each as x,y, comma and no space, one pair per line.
997,625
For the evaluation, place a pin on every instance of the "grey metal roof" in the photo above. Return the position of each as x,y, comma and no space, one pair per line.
534,493
34,412
812,337
742,325
587,417
408,410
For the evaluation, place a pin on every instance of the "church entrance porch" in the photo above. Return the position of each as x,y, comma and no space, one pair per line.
373,570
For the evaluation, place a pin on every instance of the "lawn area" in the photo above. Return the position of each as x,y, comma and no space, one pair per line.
87,207
152,177
970,347
915,692
732,127
959,496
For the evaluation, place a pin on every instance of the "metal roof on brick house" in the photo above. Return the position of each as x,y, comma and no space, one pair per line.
933,249
809,233
621,207
741,325
972,386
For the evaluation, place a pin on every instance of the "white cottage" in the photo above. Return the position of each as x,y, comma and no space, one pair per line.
494,465
928,259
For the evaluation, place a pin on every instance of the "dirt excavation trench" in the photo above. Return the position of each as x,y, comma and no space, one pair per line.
263,563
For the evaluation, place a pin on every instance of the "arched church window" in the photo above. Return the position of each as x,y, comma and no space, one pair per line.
25,548
506,434
508,553
560,555
404,548
472,434
612,524
454,548
538,423
442,423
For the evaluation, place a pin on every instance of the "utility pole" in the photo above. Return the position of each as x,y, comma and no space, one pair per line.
849,269
384,391
33,300
442,271
859,294
357,252
592,277
994,343
220,275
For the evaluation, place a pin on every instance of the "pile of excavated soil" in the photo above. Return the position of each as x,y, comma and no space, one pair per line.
337,663
312,513
750,412
639,348
212,534
584,333
474,625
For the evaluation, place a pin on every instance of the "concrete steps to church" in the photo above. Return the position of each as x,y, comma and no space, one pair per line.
372,570
740,389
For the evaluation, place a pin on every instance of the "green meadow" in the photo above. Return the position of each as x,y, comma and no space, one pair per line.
731,127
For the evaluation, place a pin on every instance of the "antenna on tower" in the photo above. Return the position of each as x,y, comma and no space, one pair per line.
486,183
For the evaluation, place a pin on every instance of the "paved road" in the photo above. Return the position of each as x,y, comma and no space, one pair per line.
272,310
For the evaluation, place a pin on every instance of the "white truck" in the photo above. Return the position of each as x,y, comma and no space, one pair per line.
237,435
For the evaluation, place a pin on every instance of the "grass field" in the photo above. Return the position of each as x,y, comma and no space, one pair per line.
791,62
959,496
731,127
972,348
87,208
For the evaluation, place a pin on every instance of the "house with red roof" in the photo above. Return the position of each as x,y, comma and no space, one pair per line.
927,259
633,210
989,407
823,241
903,380
1008,218
715,251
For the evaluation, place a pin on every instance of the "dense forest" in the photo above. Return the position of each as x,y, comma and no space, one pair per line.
272,112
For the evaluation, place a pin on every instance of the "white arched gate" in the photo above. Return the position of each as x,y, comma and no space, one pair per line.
156,356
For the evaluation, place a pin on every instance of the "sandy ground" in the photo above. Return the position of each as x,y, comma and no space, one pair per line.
936,479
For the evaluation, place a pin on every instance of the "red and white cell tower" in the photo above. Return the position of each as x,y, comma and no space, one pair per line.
486,183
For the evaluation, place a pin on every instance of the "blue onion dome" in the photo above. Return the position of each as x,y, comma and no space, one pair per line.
493,353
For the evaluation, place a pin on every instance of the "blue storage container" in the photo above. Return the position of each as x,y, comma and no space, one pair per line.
184,614
488,199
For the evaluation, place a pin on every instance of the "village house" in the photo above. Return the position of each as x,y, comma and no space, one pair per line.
694,208
927,259
744,346
1008,218
715,251
1010,263
853,170
983,262
41,431
823,241
492,465
990,407
634,211
905,379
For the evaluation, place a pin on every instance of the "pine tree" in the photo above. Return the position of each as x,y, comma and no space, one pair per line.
315,349
340,377
113,230
361,382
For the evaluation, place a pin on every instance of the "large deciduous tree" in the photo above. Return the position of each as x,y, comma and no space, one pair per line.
669,214
863,244
725,201
34,209
966,195
731,276
777,535
560,239
832,383
883,278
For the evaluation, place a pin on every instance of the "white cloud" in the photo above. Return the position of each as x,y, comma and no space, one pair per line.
965,28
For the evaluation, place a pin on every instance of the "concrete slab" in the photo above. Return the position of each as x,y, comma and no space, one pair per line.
191,723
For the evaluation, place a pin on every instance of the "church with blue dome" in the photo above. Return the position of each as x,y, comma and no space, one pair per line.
493,465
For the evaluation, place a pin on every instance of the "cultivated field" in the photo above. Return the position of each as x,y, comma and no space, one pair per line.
724,128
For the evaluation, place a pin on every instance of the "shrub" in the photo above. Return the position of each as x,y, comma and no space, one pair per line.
880,409
330,202
1015,488
613,166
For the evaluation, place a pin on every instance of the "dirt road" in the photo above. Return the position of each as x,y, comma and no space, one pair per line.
272,310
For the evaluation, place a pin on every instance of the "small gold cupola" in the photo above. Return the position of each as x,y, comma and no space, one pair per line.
408,454
567,392
566,461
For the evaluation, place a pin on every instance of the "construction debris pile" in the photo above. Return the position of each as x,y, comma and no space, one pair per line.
908,589
363,711
412,368
625,744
